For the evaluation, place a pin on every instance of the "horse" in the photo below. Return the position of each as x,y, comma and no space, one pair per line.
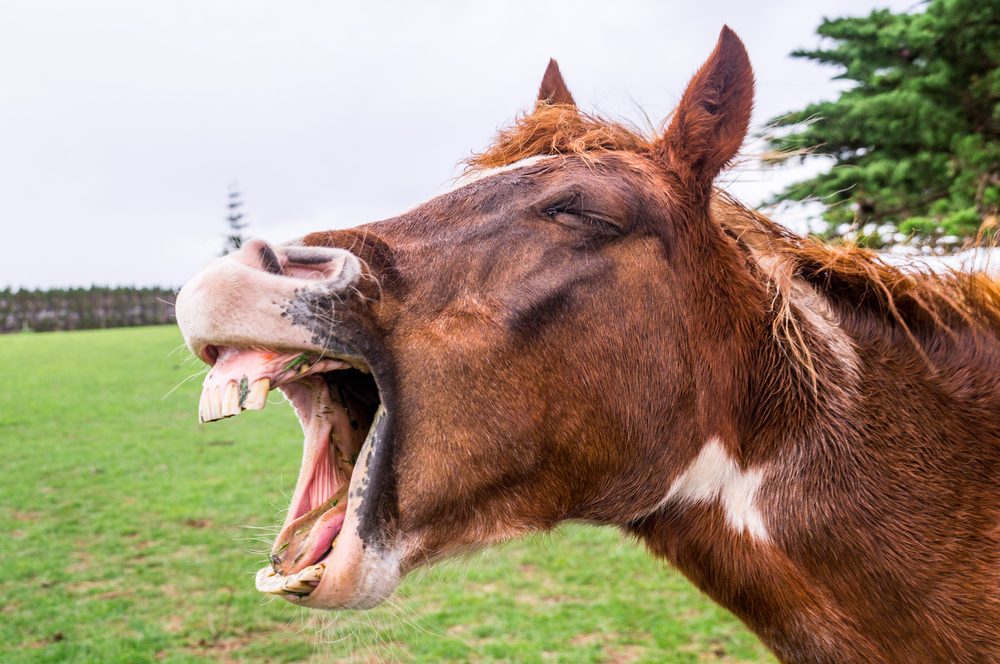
585,328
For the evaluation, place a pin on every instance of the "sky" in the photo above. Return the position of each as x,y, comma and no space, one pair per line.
123,124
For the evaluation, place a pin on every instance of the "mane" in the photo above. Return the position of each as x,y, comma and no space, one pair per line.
917,300
560,129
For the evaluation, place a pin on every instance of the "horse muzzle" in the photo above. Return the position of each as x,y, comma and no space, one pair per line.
287,318
247,299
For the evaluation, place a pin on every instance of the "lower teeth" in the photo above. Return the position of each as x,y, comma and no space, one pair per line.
302,582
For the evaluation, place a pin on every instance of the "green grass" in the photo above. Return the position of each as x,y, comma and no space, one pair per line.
130,533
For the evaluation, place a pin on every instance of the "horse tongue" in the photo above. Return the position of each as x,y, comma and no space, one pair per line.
306,539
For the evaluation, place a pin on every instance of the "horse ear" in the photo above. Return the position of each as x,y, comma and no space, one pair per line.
553,89
710,123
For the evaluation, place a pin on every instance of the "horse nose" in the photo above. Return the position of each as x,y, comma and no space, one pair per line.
243,300
313,263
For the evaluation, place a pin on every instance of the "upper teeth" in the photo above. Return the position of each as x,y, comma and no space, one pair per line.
257,396
227,390
218,402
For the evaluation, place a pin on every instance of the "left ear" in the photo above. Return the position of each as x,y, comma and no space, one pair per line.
553,89
710,123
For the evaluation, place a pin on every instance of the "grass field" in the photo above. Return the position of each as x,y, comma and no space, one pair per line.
130,533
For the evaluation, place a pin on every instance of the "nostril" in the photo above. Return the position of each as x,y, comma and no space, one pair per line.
269,260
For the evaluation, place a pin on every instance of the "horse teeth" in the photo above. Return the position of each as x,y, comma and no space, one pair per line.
257,396
313,573
203,411
230,399
215,403
302,582
207,395
298,586
269,581
219,401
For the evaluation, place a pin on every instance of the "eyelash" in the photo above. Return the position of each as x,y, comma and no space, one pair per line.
572,208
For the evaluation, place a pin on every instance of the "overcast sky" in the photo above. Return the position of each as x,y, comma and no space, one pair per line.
123,123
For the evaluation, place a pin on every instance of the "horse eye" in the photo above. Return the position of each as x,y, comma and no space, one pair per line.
577,217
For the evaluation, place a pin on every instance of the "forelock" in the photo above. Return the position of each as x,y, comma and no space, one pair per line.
559,129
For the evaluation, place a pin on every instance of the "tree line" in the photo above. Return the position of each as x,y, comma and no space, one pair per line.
96,307
84,308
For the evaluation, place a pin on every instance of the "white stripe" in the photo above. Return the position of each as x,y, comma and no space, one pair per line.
475,175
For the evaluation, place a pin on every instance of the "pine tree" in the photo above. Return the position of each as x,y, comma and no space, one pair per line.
234,219
915,142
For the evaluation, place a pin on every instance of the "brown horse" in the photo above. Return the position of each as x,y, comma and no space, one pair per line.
585,329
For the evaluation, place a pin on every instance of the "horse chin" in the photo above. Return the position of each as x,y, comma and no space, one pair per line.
325,556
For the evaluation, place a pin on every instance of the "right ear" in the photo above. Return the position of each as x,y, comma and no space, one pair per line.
710,123
553,89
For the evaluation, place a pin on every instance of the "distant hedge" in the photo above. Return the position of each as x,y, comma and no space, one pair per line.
84,308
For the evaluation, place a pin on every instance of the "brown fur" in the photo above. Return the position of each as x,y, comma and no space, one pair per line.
561,341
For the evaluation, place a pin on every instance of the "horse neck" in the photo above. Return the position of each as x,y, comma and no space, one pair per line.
815,448
749,379
752,396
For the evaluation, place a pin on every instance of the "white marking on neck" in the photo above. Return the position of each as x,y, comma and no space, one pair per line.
814,308
714,475
475,175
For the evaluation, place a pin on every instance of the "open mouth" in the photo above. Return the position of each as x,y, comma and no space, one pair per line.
336,400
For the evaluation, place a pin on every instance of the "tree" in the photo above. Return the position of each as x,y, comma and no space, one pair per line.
234,219
915,141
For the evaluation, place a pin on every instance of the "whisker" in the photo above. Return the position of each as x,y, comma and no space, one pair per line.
184,382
